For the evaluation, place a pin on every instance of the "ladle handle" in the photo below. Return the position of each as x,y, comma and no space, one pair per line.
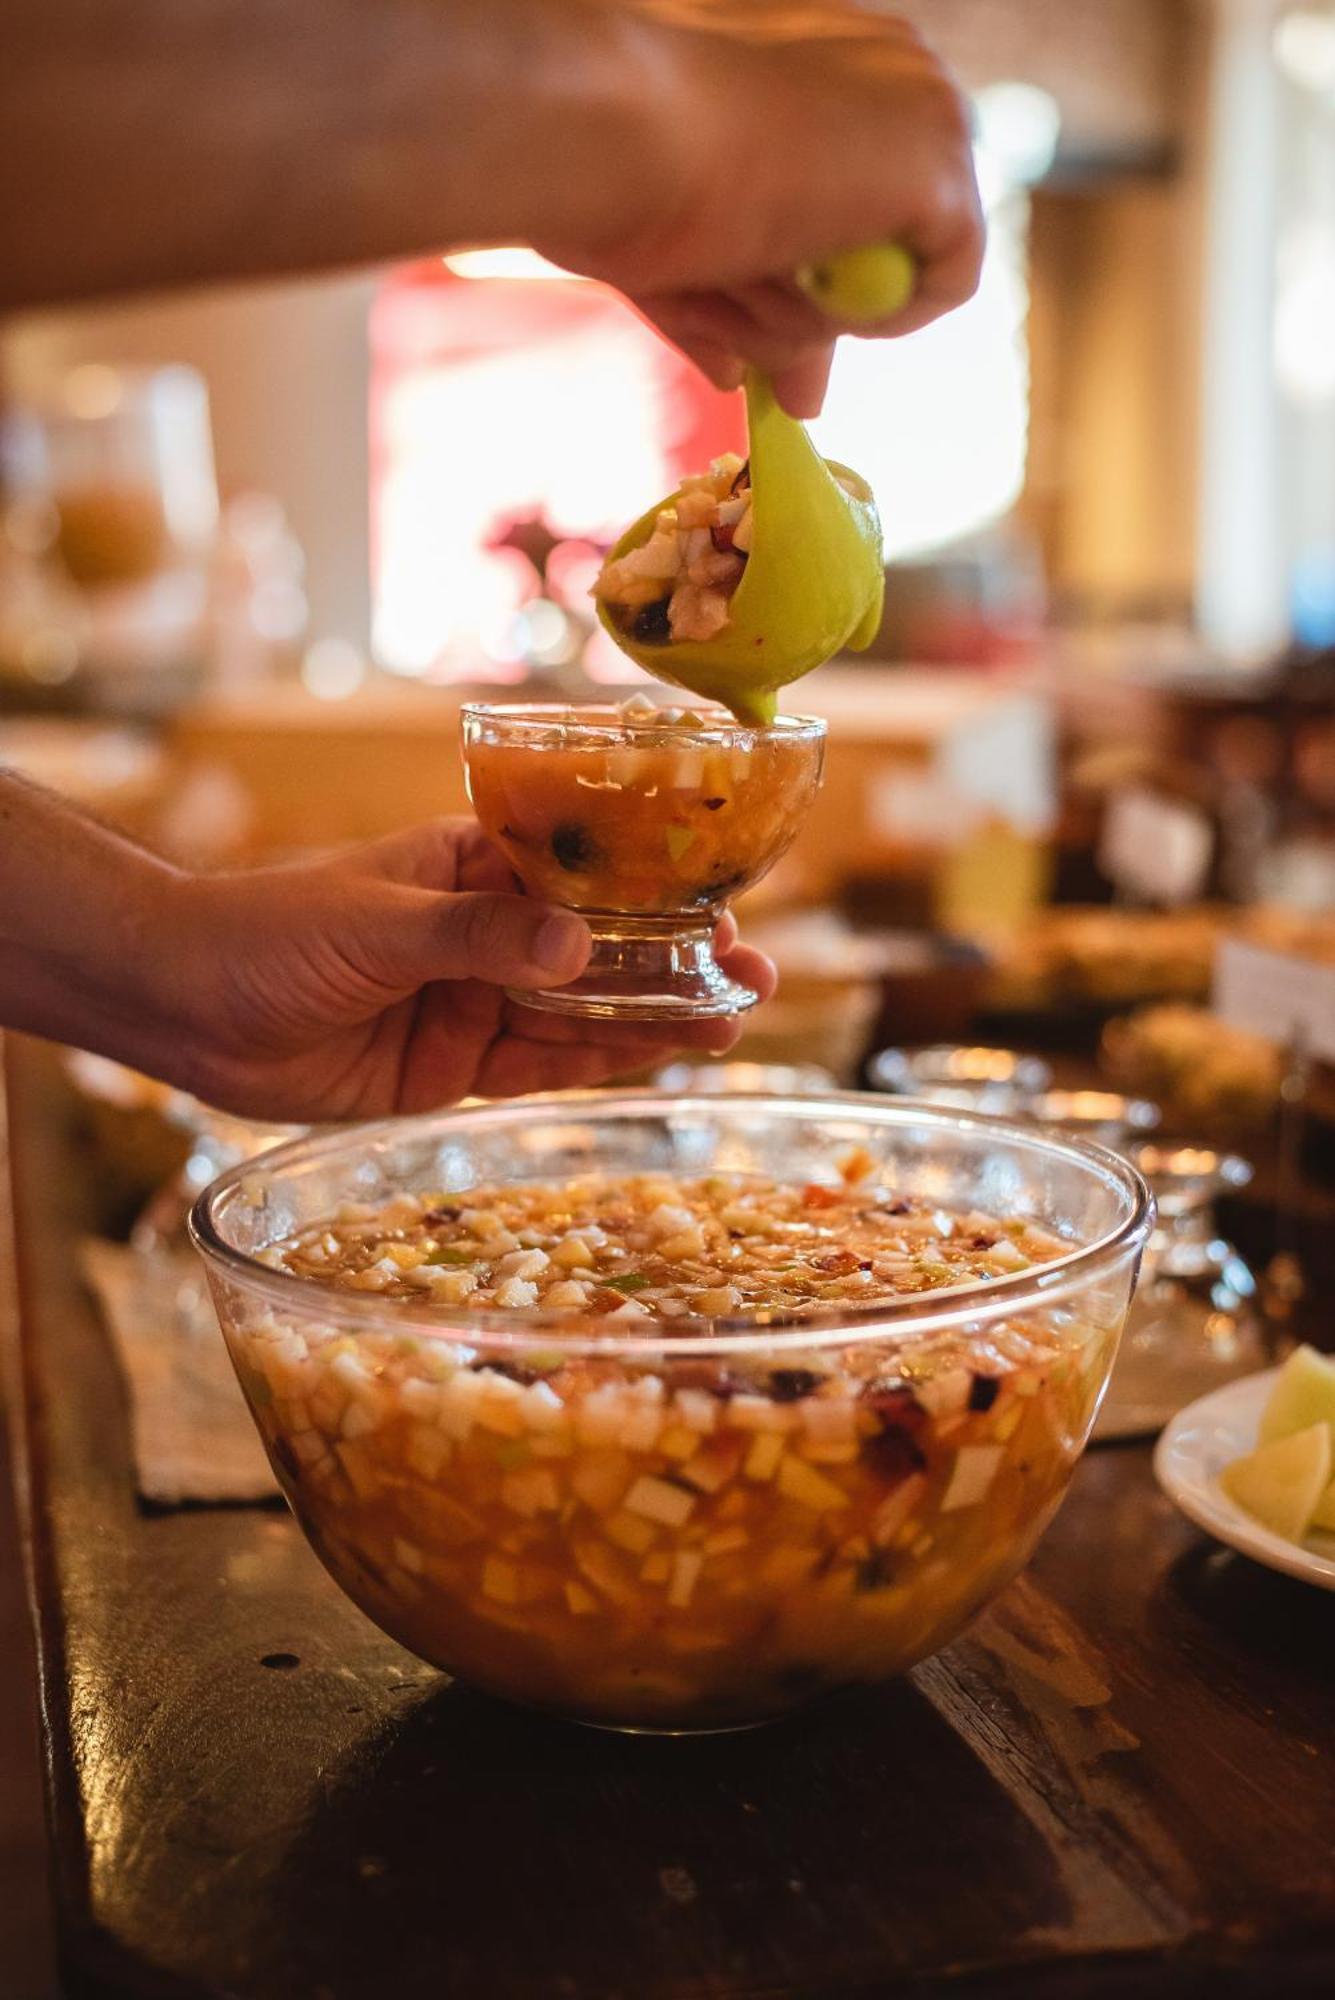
861,287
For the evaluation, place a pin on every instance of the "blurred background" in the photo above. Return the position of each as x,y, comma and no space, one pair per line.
257,544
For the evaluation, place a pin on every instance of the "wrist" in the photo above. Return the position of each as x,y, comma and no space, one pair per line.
612,123
90,930
514,121
115,982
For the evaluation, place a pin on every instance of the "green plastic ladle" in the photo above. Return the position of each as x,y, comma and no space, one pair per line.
814,582
861,286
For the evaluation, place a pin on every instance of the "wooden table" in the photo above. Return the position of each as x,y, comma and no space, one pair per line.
1118,1783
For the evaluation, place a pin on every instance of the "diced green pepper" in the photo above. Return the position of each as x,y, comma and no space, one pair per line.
629,1281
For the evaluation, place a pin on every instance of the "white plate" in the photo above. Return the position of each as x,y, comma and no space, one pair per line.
1193,1451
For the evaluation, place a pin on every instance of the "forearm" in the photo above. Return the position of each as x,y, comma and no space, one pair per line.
149,142
90,933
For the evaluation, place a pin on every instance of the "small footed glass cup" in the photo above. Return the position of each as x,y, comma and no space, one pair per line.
646,823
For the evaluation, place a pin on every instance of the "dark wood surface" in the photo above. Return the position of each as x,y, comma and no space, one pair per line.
1120,1782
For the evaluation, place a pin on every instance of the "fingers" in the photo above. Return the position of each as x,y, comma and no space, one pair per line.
750,967
717,323
854,134
764,326
411,939
948,244
517,1063
943,227
800,387
482,866
519,1048
743,962
507,941
716,362
782,314
437,854
469,1040
515,1067
800,376
947,279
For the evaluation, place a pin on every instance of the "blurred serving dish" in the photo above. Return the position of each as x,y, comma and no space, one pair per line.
1195,1322
129,1121
1001,1082
1192,1463
160,1144
785,1079
828,997
1100,957
841,989
1207,1076
1107,957
1105,1116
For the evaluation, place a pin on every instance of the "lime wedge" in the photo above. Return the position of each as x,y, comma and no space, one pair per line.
814,582
1281,1484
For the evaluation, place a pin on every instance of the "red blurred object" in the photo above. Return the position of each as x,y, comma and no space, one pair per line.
465,440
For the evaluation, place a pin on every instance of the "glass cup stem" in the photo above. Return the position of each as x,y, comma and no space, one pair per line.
648,969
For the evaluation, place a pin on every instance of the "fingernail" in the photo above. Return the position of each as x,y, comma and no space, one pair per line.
560,945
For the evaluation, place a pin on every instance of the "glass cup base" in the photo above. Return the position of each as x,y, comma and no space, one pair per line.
647,969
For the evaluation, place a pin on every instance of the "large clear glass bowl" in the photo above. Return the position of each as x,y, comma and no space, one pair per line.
677,1524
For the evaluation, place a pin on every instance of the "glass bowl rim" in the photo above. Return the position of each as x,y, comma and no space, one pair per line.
738,1335
573,720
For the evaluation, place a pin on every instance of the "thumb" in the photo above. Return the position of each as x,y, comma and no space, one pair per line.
505,940
800,387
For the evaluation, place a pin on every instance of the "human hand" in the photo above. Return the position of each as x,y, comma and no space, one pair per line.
784,133
372,982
